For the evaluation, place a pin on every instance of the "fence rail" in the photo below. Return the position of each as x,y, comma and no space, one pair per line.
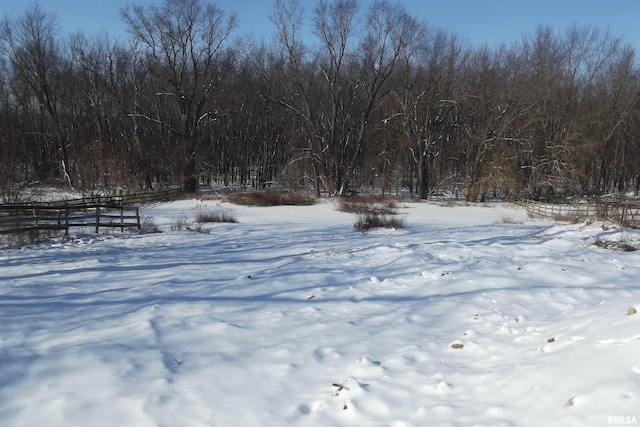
121,199
625,212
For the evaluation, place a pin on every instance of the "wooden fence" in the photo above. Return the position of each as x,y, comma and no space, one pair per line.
21,218
118,211
625,212
121,199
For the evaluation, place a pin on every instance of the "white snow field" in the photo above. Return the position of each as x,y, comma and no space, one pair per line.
469,316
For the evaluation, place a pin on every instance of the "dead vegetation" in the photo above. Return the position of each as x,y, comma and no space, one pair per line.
270,198
367,221
219,214
149,226
367,204
615,245
22,239
371,212
179,224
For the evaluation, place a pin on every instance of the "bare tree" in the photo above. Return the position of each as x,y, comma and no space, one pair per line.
582,91
290,77
490,126
185,44
30,45
373,98
429,98
14,169
613,130
356,56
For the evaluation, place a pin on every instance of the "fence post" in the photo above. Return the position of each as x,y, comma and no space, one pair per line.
138,217
122,218
97,219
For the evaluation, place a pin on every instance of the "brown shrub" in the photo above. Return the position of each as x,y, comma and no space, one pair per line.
270,198
367,204
367,221
205,215
619,246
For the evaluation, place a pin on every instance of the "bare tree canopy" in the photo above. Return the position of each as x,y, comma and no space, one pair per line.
343,98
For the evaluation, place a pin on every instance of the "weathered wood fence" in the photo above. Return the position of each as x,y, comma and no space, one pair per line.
625,212
21,218
129,199
113,212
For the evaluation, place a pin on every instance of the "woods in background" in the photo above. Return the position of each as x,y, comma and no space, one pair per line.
375,99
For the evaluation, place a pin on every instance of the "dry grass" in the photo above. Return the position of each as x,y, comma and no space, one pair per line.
270,198
365,205
148,226
367,221
22,239
508,220
572,218
618,246
206,215
452,203
371,212
180,224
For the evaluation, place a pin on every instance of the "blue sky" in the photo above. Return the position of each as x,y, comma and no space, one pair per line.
479,21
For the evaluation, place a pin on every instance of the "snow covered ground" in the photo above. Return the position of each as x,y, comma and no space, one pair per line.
470,315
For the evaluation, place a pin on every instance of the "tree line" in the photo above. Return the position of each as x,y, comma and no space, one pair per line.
375,99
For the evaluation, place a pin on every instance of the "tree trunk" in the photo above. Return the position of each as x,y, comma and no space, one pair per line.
423,175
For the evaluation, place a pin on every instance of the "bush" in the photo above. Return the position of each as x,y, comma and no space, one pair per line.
452,203
363,205
219,214
508,220
618,246
371,212
24,238
148,226
270,198
200,228
367,221
180,224
204,216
